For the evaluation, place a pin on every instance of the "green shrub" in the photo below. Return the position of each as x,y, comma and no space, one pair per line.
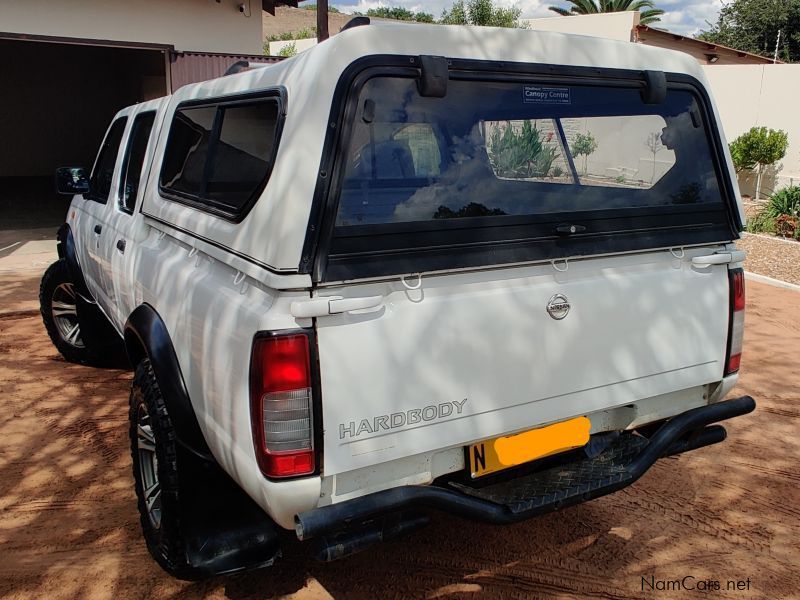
288,50
761,222
784,202
521,154
286,36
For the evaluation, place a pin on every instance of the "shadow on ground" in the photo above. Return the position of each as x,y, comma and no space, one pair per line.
69,528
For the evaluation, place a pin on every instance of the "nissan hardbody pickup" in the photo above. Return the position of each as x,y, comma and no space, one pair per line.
484,271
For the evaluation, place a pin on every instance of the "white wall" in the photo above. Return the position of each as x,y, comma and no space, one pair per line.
612,26
760,95
199,25
299,45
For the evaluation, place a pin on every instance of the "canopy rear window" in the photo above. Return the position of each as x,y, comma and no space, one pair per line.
499,171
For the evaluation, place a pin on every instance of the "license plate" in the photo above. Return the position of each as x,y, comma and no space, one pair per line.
490,456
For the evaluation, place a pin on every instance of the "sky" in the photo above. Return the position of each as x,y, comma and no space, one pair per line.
686,17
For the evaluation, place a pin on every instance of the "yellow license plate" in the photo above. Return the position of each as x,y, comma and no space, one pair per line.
490,456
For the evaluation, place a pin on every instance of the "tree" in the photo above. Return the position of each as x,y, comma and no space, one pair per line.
753,26
480,12
650,14
331,9
758,148
584,144
654,144
398,13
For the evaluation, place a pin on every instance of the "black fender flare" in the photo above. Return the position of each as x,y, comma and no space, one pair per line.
146,336
66,250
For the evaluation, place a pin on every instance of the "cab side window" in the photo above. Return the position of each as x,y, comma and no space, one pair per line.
134,160
103,173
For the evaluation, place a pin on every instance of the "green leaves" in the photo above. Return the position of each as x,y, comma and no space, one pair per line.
480,12
583,144
758,147
753,25
784,202
399,13
648,12
521,154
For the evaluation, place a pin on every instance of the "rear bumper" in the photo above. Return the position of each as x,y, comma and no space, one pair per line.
545,491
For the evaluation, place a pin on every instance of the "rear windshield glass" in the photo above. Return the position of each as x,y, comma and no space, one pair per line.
498,172
496,149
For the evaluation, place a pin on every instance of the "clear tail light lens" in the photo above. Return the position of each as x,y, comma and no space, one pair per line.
281,405
736,323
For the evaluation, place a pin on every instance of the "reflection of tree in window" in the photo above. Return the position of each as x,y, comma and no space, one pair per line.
473,209
654,144
584,145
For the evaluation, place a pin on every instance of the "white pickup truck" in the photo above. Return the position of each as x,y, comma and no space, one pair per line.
486,271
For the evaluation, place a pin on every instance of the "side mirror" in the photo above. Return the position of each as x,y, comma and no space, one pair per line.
72,180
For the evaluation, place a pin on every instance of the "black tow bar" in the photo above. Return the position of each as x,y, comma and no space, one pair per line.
684,432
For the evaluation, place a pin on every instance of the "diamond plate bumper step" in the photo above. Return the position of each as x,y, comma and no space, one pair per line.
618,466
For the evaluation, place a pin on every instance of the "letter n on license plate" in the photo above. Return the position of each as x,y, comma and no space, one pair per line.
490,456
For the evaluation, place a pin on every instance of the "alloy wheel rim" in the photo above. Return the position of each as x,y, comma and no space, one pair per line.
64,308
148,466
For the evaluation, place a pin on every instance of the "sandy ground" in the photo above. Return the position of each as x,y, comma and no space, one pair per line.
68,523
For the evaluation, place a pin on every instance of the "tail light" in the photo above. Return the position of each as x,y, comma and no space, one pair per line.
736,323
281,405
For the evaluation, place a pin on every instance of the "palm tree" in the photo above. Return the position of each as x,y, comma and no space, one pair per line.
650,14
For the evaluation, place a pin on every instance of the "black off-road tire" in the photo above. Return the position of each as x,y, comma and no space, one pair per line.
165,538
57,288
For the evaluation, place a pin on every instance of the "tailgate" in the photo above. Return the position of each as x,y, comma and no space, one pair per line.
474,355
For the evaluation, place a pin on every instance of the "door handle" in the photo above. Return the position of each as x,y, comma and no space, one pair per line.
332,305
718,258
121,246
98,229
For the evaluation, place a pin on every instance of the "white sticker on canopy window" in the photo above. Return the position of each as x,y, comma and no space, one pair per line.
537,94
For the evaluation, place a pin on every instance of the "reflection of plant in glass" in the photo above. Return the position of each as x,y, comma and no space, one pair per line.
584,144
473,209
654,144
687,194
521,154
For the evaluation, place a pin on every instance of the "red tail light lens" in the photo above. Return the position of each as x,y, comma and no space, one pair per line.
736,321
281,408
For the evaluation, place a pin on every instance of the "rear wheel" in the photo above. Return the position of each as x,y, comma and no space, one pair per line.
59,307
156,460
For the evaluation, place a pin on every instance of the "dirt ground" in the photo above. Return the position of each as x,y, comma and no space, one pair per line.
69,528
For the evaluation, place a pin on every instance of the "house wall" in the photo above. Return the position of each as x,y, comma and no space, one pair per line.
760,95
199,25
699,50
612,26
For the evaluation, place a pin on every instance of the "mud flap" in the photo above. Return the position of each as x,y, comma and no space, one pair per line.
224,531
100,336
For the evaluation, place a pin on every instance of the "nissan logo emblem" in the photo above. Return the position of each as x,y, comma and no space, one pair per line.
558,307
